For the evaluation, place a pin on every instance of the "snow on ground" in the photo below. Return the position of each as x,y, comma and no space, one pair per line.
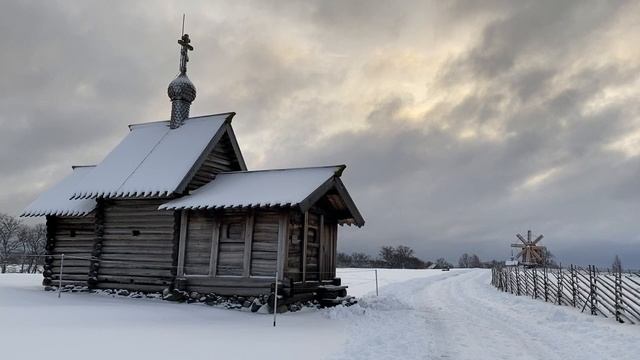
420,314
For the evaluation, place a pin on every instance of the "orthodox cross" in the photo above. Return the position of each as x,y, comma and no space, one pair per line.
184,57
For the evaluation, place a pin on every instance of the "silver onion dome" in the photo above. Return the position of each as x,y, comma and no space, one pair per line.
181,88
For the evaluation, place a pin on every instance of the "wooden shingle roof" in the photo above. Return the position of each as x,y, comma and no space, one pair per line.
56,201
154,160
301,187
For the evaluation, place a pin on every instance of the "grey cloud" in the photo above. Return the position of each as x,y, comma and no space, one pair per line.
79,72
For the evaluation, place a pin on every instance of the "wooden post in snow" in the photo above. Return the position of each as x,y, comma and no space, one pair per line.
60,276
275,300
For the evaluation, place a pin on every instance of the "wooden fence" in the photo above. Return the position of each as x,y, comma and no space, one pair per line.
606,293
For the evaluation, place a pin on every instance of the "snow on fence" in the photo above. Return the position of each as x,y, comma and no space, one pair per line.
606,293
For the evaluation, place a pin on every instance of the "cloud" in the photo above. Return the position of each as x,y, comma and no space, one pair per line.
461,123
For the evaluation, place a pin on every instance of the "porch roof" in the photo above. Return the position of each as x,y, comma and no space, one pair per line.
301,187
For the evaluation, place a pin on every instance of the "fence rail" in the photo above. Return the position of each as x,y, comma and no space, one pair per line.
606,293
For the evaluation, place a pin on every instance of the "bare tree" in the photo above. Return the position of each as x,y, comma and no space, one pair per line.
617,264
360,259
463,262
474,261
344,260
9,227
400,257
441,263
388,255
34,239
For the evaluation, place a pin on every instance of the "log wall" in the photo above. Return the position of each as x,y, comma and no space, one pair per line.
231,244
233,251
295,246
73,237
312,263
328,250
197,259
138,245
264,247
221,159
315,253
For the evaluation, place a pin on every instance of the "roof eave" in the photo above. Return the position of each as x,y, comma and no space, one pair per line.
334,182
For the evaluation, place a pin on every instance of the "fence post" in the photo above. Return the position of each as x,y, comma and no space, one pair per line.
546,283
275,300
504,281
617,276
560,285
592,285
517,281
60,276
376,282
573,285
495,277
535,283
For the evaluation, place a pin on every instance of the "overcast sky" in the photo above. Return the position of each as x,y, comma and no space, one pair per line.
461,123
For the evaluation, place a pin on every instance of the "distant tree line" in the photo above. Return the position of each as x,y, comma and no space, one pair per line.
21,245
403,257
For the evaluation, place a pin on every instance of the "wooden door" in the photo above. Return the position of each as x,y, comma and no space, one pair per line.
231,245
312,263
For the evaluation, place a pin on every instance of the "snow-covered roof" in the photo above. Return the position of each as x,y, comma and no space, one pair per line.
152,160
55,201
265,188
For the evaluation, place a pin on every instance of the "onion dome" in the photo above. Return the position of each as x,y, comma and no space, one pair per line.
181,88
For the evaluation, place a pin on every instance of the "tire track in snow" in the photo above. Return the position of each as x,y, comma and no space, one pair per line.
543,331
458,316
390,326
467,329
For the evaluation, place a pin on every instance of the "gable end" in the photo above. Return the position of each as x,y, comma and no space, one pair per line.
225,156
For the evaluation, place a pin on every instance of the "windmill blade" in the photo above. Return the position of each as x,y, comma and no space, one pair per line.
521,239
518,246
529,235
537,255
538,239
520,254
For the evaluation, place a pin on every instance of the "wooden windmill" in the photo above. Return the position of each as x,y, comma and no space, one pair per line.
531,254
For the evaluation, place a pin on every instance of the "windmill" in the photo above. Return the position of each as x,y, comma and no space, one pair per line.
531,254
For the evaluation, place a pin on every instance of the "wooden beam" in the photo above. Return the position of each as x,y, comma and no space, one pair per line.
318,193
248,238
235,146
184,223
201,158
283,246
215,238
334,244
322,251
305,239
353,209
96,252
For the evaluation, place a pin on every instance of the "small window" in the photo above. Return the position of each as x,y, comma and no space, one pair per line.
135,232
296,234
311,235
234,231
72,233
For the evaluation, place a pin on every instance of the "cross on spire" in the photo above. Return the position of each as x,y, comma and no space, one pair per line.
184,56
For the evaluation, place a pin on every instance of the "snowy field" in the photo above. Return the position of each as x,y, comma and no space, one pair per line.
420,314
